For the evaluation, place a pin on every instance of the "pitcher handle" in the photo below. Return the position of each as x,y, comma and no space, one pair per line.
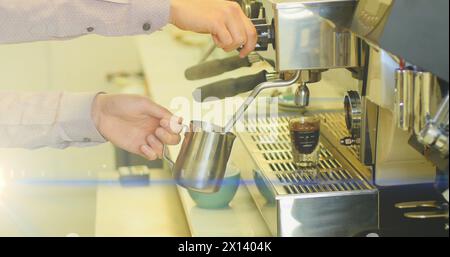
166,156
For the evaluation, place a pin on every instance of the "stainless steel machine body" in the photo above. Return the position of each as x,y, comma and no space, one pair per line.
402,98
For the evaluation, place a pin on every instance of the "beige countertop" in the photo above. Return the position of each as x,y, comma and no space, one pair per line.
153,210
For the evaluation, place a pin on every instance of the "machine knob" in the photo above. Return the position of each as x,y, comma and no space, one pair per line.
266,34
353,113
349,141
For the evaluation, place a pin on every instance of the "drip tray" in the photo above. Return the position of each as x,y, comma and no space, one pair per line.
269,142
338,201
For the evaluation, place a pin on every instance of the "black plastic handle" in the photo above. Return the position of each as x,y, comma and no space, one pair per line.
216,67
229,87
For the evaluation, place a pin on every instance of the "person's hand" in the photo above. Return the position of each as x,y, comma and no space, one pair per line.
135,124
224,20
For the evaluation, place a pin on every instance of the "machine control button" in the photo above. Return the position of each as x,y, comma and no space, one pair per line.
266,34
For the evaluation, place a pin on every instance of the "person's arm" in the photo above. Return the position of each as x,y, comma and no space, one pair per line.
133,123
62,120
25,20
33,120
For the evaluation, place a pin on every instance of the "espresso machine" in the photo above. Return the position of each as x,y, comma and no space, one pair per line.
391,131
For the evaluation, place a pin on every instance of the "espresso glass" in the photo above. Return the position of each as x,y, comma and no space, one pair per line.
305,138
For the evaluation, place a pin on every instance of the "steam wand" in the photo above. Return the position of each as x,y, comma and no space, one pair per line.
265,85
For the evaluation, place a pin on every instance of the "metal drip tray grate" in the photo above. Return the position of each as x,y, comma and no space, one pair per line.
271,140
335,122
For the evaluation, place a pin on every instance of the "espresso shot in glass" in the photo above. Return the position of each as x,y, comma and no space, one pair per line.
305,138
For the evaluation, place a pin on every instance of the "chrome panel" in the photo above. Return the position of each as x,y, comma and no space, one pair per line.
305,41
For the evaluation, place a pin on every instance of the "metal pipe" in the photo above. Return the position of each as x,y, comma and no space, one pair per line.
266,85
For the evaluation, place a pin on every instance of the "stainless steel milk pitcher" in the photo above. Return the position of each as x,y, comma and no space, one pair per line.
206,148
203,158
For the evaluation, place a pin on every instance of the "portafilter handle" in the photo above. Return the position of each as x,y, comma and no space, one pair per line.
435,132
230,87
263,86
